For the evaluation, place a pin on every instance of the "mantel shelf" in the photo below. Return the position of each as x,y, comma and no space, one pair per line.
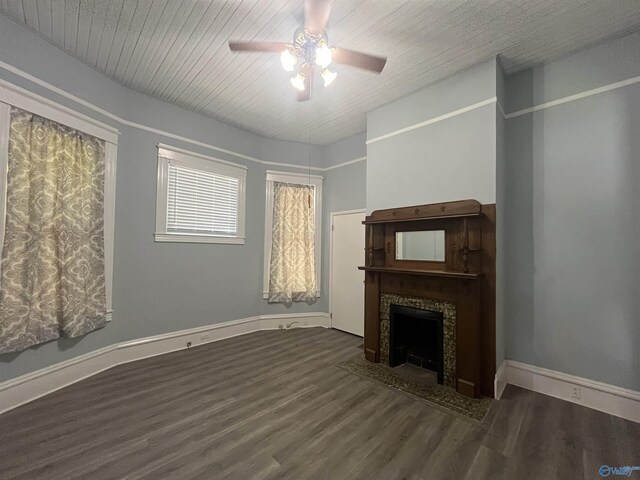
433,211
427,273
419,219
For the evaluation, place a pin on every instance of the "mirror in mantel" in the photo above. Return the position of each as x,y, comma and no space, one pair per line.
425,245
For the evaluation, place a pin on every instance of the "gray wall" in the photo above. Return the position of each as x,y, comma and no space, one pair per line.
346,150
159,287
501,232
573,217
344,190
449,160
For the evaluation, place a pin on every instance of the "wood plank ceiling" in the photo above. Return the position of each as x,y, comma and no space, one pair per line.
177,49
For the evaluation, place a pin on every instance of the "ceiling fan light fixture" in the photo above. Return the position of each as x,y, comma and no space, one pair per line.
288,60
323,55
328,76
310,51
298,82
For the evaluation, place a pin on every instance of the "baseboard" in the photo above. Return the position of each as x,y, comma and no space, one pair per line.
610,399
295,320
500,381
26,388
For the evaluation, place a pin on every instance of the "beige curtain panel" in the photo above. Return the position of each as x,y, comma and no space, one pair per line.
292,275
52,280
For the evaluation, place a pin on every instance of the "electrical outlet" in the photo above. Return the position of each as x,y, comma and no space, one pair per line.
204,337
575,392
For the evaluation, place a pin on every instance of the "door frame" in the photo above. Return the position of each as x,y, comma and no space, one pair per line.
331,217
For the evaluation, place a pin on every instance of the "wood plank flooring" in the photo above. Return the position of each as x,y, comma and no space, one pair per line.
273,405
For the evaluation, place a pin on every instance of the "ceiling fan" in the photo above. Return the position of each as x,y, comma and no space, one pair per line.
310,47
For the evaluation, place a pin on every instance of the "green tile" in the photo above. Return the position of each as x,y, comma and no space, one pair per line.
445,397
448,311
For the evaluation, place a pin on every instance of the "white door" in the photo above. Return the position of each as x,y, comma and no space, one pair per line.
347,282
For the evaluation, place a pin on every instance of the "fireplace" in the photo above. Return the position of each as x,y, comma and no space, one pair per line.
459,285
419,304
416,336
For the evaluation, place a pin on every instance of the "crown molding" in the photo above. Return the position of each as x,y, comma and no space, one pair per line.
123,121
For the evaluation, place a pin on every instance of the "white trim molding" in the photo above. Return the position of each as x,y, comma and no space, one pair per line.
101,111
577,96
129,123
195,238
500,108
610,399
500,381
5,115
440,118
31,102
343,164
26,388
168,155
110,164
175,153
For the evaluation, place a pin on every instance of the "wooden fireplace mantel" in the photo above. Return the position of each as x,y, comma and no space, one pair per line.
461,208
466,278
424,273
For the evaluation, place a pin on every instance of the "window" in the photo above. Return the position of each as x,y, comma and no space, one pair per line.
199,198
294,195
62,158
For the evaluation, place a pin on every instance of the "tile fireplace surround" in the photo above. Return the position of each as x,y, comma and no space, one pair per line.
448,311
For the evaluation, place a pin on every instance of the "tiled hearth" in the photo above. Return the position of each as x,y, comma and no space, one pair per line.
448,311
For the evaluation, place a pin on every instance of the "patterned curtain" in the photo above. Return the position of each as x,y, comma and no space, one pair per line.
52,280
292,276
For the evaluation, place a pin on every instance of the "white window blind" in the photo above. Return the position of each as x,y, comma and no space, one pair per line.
199,199
201,202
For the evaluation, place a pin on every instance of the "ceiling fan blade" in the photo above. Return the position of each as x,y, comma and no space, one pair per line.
344,56
305,95
316,15
257,46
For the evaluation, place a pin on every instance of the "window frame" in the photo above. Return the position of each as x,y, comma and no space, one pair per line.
299,179
12,95
168,154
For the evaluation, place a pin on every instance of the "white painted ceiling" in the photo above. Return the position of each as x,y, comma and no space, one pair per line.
177,49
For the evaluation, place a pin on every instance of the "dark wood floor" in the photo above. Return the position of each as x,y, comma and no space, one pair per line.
273,405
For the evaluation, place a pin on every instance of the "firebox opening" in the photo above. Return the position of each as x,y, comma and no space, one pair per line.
416,336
